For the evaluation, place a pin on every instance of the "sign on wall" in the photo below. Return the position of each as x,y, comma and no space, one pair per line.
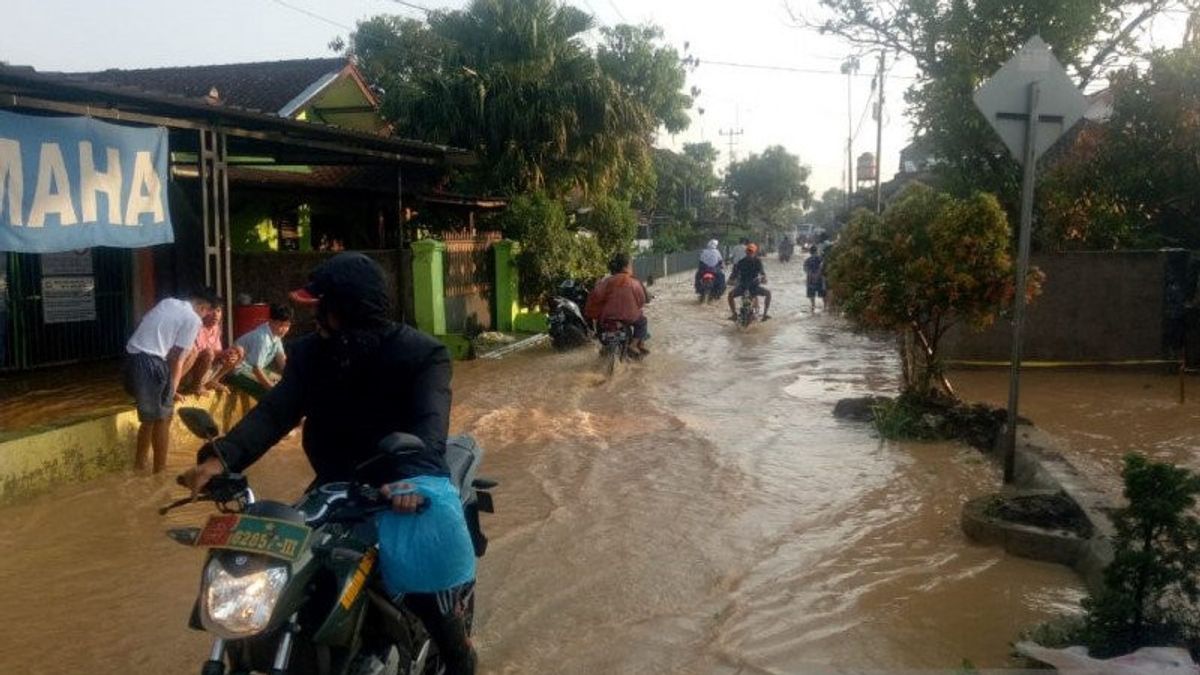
70,183
67,263
68,299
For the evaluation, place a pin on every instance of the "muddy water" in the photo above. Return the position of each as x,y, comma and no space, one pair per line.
1101,416
699,513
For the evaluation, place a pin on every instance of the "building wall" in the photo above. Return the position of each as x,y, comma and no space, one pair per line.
1095,306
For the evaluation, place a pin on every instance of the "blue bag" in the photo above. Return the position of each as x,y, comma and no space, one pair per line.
429,551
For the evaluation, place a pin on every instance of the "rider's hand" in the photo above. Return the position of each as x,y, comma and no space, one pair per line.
404,496
198,476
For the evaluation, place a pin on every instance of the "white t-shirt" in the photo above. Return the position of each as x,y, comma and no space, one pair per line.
172,323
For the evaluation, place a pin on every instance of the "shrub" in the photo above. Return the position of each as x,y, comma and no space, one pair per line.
549,250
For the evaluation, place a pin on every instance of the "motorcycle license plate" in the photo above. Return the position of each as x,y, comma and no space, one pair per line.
266,536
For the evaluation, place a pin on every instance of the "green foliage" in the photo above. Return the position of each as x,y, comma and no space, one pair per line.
931,261
829,210
767,185
517,82
1150,595
901,419
613,222
957,44
549,250
1131,182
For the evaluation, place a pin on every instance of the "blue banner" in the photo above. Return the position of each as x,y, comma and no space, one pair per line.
74,182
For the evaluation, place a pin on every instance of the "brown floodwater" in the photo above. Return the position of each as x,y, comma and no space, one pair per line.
1100,416
702,512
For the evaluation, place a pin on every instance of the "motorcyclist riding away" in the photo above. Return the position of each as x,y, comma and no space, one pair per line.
620,297
748,276
711,261
359,378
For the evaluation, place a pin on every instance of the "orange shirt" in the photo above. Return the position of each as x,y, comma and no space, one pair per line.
618,297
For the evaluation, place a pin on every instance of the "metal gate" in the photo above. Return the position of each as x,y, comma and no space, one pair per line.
469,282
28,340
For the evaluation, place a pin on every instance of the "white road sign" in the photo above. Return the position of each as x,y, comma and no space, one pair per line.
1004,99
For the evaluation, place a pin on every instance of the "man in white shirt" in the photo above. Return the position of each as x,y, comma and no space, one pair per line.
154,365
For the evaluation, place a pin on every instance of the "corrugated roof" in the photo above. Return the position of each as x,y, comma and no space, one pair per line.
266,86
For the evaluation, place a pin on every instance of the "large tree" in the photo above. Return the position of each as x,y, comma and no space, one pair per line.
956,44
766,186
516,81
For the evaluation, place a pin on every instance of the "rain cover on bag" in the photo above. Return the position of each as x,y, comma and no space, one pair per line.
428,551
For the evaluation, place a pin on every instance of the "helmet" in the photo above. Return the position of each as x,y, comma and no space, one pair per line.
751,248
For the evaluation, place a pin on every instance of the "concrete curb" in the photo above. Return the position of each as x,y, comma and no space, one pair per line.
531,341
1041,467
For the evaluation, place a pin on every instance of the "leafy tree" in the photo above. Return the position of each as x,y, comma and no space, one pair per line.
929,262
1131,181
516,81
550,251
958,43
613,222
766,185
684,180
829,210
1150,593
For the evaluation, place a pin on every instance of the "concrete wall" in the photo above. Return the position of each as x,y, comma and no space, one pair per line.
1095,306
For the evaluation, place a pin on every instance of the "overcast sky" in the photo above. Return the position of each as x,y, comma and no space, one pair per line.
804,109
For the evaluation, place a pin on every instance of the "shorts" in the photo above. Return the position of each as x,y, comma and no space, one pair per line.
753,289
148,380
816,290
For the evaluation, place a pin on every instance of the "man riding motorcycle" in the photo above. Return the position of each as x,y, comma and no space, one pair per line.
620,297
711,261
749,276
359,378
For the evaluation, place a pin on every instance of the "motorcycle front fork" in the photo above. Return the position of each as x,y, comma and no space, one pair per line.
215,665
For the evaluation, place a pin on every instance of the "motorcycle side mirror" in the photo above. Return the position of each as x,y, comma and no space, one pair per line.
200,423
393,445
184,535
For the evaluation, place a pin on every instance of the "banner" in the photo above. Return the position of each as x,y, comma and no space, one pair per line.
71,183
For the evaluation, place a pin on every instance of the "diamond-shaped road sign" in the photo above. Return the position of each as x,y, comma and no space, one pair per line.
1004,98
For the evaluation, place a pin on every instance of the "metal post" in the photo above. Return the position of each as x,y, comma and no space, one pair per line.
879,138
1027,187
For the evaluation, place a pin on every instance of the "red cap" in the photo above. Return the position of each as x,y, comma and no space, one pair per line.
302,296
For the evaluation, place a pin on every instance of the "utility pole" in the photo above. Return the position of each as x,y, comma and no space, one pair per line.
849,67
879,134
732,134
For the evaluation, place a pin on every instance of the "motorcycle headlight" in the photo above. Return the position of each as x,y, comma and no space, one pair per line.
237,607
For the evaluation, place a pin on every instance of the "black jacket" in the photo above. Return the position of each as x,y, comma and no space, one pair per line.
399,382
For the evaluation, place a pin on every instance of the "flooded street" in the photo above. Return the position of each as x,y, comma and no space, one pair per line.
702,512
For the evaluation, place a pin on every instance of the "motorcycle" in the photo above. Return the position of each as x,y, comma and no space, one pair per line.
568,327
748,312
293,590
710,286
614,345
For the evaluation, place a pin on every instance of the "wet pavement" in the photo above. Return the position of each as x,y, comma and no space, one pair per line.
701,512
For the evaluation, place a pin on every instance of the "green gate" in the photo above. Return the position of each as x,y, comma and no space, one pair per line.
33,335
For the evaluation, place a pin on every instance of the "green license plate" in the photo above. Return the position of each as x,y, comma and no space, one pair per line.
267,536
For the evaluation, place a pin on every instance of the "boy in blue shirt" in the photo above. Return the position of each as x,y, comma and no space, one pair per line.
263,347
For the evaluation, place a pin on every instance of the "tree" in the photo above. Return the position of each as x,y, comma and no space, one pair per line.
1130,182
829,210
614,224
958,43
1150,589
550,251
516,82
931,261
766,185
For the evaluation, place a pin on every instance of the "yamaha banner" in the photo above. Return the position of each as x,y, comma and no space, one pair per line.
71,183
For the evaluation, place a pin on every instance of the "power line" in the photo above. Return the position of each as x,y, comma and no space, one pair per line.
413,6
313,15
616,9
788,69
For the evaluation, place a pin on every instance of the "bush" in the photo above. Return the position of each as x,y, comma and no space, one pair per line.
614,222
549,250
1150,590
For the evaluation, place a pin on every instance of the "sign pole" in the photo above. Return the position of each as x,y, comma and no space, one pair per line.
1027,187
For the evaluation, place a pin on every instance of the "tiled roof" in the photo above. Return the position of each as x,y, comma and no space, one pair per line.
265,86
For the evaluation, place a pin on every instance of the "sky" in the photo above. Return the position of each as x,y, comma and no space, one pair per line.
805,109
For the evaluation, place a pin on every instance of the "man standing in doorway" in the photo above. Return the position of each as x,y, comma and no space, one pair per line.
153,366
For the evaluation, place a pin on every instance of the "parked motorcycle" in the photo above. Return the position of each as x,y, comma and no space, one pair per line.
568,327
293,590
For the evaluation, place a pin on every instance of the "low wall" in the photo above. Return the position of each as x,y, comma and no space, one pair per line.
1095,306
37,461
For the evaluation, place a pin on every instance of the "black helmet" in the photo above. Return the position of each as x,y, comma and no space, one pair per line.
351,286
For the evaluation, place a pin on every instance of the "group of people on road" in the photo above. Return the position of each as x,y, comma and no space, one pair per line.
748,275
